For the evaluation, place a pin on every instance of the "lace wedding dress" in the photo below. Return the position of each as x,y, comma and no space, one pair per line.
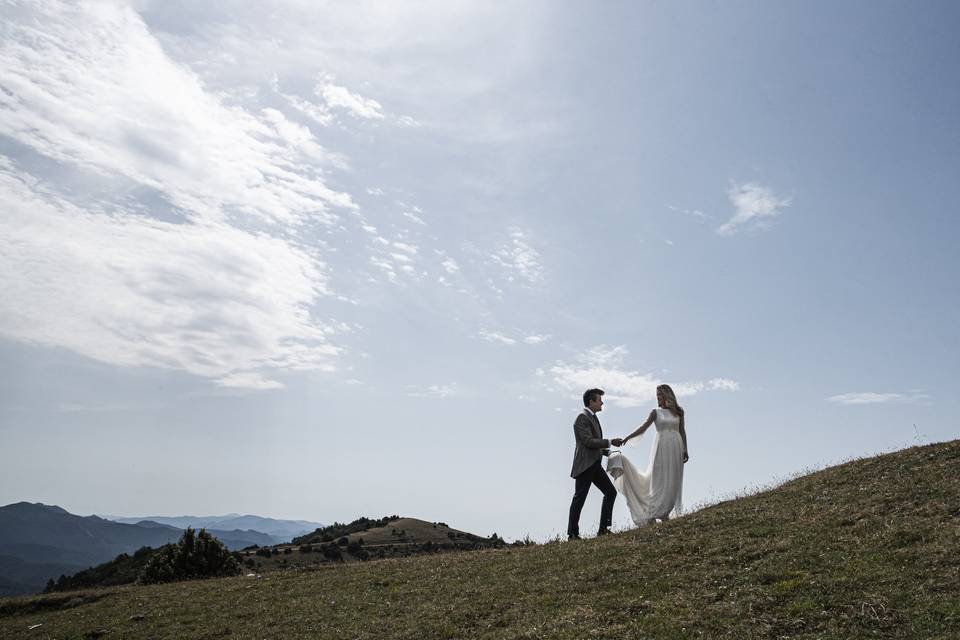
656,492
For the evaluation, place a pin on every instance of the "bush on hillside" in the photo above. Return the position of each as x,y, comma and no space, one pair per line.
195,555
332,552
123,569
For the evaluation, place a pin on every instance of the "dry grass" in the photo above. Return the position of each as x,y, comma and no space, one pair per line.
868,549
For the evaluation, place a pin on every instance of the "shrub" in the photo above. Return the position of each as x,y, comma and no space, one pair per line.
195,555
306,548
342,542
124,569
332,552
287,551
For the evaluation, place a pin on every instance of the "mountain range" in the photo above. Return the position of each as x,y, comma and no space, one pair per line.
282,530
39,542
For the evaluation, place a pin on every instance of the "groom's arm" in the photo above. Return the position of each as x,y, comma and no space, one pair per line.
584,434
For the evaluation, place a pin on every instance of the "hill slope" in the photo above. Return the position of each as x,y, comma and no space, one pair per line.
863,550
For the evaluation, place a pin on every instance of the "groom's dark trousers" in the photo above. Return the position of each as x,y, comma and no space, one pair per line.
594,475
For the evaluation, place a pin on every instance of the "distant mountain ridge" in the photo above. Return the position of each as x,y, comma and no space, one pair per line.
282,530
39,542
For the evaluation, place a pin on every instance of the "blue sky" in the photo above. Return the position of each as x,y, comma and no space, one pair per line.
325,260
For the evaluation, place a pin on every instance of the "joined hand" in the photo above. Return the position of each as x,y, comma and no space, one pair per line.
616,442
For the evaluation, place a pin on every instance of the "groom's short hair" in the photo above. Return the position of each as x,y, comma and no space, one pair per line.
591,394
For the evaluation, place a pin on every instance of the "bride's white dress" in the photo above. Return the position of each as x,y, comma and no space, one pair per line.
656,492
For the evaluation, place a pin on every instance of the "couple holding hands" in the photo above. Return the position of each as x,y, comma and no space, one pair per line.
652,494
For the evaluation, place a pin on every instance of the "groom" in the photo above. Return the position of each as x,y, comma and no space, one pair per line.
587,467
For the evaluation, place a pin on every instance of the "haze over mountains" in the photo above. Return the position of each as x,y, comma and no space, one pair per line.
39,542
282,530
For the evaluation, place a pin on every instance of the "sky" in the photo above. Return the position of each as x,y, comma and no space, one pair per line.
323,260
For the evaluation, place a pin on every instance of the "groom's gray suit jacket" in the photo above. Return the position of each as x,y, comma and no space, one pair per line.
591,445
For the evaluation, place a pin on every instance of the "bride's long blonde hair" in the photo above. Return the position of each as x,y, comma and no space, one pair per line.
668,399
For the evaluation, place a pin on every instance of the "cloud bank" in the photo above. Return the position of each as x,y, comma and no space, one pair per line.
603,366
170,236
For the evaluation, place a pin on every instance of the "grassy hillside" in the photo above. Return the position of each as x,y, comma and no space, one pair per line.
867,549
398,537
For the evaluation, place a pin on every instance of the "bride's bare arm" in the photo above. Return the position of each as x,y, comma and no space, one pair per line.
646,425
683,434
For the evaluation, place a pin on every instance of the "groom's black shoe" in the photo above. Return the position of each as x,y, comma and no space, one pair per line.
603,532
573,537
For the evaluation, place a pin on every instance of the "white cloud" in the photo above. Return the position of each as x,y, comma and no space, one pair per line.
433,391
92,88
690,212
409,248
754,205
603,366
412,216
335,99
450,265
340,98
869,397
723,384
412,213
319,113
493,336
519,258
376,48
385,266
248,381
209,299
136,140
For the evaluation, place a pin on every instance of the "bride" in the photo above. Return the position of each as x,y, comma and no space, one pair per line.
657,492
